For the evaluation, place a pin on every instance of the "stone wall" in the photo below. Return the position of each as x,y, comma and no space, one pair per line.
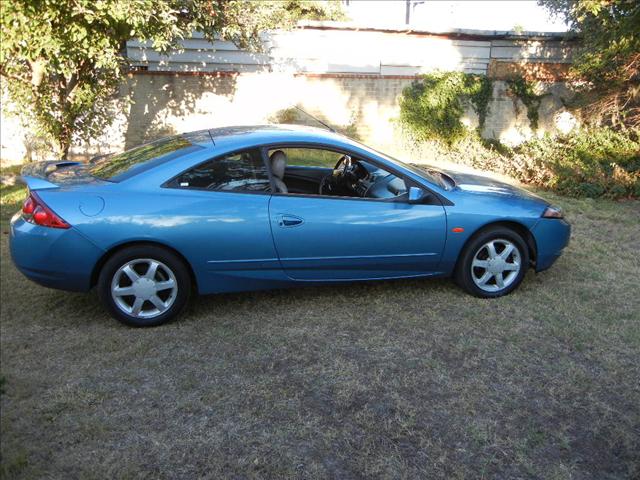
361,105
355,88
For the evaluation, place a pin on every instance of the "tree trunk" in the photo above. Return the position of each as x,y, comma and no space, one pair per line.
65,151
63,144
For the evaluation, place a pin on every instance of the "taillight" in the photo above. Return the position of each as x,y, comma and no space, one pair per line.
34,210
28,206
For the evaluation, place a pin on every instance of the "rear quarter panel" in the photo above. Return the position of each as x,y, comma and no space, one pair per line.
213,231
225,236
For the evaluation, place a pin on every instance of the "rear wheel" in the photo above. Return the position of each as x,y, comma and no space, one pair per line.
144,285
493,263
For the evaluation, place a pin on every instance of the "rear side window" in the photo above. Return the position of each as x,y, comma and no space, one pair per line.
138,159
238,172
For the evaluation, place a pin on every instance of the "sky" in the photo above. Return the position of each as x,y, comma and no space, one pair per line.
470,14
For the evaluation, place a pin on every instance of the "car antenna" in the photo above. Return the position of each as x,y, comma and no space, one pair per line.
316,119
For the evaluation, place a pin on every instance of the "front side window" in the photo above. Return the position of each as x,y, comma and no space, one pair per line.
310,157
237,172
319,171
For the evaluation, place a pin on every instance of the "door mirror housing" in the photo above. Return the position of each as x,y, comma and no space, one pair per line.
417,195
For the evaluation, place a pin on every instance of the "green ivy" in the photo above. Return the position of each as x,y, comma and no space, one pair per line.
525,91
431,107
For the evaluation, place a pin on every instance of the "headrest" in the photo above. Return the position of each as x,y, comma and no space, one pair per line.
278,163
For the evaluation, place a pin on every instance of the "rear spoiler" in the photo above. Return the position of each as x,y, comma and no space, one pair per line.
35,174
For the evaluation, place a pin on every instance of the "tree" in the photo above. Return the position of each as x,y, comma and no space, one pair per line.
63,61
609,60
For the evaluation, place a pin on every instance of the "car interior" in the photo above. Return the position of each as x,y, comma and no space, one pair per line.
309,171
302,171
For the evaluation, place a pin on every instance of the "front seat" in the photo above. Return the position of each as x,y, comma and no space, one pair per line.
278,161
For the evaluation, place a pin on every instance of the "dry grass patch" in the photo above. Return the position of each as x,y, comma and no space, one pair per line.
407,379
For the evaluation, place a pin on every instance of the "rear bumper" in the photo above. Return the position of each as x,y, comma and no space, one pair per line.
552,236
52,257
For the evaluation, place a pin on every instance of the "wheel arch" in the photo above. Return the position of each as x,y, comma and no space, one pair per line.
519,228
121,246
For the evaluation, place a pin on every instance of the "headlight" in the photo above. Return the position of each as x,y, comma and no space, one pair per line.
553,212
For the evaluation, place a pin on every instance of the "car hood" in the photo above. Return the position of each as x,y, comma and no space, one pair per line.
473,183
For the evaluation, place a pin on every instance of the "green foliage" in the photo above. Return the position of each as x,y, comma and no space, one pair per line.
525,91
12,194
63,61
431,107
286,116
310,157
314,10
295,116
610,58
598,162
350,129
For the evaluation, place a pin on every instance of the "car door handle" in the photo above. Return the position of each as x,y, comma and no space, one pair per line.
290,221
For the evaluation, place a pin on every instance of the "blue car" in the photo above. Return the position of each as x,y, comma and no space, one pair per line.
248,208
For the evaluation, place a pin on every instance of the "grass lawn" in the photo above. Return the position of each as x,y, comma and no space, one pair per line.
406,379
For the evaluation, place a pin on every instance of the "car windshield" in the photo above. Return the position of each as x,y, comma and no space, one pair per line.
138,159
434,176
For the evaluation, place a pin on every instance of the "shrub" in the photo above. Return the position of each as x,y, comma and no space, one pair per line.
598,162
431,107
593,163
297,116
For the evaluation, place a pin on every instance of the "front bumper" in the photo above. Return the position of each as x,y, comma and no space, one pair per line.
53,257
552,236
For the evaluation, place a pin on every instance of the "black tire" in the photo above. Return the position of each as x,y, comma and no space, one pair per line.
168,261
463,273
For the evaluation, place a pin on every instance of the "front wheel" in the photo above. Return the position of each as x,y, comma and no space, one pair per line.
144,285
493,263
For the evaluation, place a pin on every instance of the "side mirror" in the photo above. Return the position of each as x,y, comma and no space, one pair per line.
417,195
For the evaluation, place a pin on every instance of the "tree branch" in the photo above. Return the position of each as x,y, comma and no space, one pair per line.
15,77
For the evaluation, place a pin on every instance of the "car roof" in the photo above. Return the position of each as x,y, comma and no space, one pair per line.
264,134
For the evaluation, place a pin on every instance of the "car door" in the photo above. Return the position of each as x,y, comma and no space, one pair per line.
324,238
226,235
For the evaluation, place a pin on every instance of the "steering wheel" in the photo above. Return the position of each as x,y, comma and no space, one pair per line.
343,164
323,183
341,169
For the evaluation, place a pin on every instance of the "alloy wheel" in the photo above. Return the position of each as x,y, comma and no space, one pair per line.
144,288
496,265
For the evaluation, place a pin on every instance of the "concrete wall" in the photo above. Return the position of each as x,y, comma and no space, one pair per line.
364,106
351,79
